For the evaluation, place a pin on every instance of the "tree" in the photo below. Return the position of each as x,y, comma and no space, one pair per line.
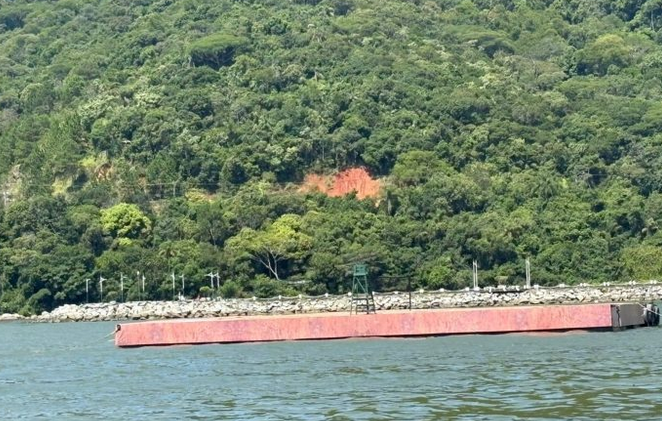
643,262
125,221
608,50
280,242
216,50
417,167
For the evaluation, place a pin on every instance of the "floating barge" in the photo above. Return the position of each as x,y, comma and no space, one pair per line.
407,323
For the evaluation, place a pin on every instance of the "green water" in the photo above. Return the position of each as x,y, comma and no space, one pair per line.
71,372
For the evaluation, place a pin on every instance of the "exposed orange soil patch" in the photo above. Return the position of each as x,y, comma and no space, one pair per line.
342,183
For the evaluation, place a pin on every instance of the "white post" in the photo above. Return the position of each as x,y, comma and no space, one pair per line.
182,277
475,270
122,277
87,290
172,275
528,274
101,281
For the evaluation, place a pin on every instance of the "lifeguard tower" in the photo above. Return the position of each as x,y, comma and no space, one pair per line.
362,298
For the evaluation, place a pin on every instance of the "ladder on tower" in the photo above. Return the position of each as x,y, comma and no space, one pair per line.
362,299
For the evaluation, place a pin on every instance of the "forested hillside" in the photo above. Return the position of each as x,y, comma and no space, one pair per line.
171,136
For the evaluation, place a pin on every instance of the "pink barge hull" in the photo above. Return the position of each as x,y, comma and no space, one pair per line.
382,324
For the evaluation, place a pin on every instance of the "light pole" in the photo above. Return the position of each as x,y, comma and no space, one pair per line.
122,278
142,295
101,281
211,281
528,273
475,274
218,285
172,275
87,290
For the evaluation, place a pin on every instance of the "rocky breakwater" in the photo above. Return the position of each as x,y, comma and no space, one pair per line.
152,310
488,297
10,317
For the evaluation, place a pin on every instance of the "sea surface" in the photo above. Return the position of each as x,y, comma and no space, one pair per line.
72,371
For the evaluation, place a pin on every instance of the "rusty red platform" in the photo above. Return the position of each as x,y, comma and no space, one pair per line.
382,324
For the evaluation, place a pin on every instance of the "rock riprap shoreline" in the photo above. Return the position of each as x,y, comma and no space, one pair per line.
149,310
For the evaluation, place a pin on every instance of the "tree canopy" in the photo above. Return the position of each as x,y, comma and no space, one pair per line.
171,136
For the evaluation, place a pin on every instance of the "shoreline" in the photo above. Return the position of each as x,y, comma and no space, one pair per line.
237,307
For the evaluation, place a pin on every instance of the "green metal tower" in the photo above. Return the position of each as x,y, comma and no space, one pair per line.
362,298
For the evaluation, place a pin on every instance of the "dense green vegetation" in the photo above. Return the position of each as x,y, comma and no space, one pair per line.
170,135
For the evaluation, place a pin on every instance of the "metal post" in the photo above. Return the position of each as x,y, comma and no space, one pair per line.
182,277
142,291
87,290
122,277
101,281
173,285
528,274
143,281
475,269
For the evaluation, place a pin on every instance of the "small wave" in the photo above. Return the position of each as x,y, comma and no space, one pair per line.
352,370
